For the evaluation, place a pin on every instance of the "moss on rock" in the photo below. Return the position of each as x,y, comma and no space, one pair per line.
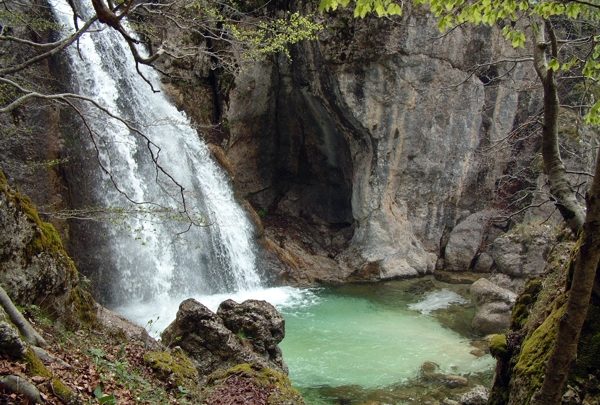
498,345
35,367
528,297
65,393
271,385
536,350
44,272
173,366
83,308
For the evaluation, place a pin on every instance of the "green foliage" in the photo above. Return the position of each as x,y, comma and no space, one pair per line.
363,7
268,37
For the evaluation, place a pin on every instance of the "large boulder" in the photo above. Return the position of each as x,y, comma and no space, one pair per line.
258,322
206,337
492,317
35,268
465,240
484,291
523,251
494,305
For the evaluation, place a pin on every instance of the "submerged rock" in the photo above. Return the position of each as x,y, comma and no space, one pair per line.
239,333
430,372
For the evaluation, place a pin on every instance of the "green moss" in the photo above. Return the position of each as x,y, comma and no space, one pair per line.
536,350
498,346
520,312
83,308
47,237
65,393
35,367
174,366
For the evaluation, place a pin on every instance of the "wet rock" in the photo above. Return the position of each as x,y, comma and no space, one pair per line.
258,322
465,240
455,277
211,345
430,371
477,396
454,381
494,306
493,317
484,291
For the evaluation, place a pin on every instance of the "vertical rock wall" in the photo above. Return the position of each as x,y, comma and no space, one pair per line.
382,127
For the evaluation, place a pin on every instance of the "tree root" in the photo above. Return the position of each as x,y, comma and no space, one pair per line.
27,331
19,385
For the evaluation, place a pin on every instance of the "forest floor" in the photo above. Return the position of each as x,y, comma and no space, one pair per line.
100,365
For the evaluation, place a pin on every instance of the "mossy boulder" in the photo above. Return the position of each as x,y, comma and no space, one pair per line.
34,266
246,383
238,333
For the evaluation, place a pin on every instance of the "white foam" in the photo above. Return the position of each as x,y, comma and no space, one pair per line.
438,299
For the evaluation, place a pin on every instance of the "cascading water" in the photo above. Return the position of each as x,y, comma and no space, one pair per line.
153,254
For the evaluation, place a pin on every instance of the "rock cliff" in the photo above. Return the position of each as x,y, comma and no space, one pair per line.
382,133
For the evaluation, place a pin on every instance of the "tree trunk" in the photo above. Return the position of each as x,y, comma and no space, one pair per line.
560,188
569,329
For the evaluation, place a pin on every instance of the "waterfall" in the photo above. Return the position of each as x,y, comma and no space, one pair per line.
152,254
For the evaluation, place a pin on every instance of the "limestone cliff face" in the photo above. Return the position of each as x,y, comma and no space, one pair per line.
380,128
